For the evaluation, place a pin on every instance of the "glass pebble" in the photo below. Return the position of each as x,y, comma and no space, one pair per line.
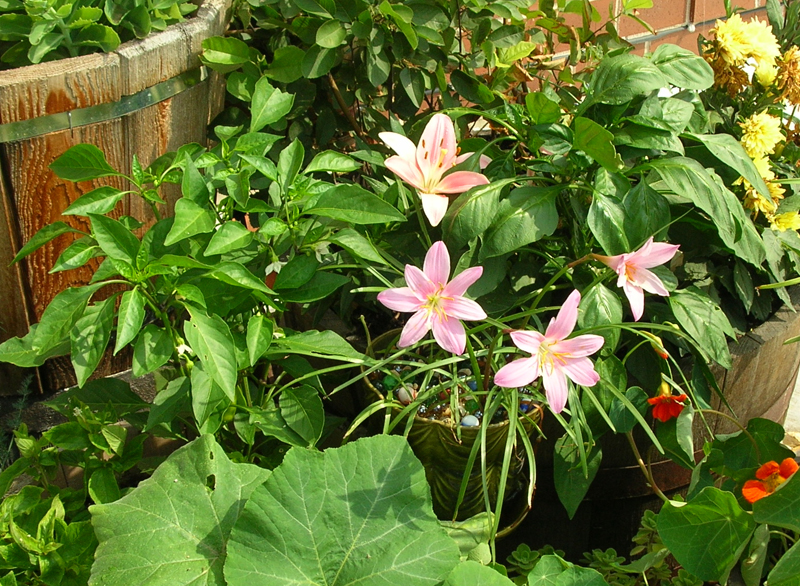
470,421
390,382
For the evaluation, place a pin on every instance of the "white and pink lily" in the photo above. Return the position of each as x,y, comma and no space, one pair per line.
634,278
423,166
438,304
553,357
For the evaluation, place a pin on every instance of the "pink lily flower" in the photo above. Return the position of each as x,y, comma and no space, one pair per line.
423,165
437,303
553,357
634,278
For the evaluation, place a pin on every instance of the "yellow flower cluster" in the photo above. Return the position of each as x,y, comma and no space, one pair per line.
787,221
761,134
788,75
736,41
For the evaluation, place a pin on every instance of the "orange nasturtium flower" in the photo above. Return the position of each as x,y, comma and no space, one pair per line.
770,476
666,405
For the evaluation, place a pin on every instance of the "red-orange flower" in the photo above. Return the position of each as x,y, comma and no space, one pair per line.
770,476
666,405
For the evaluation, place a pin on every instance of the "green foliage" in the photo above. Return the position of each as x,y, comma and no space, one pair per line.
33,31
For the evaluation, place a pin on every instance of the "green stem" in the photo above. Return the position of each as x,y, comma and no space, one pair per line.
645,470
738,424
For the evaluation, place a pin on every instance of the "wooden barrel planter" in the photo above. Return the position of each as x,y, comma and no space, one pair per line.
759,384
146,98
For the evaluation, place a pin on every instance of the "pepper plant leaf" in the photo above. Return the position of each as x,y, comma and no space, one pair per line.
179,519
306,525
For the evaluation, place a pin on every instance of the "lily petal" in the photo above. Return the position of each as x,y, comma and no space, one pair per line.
399,144
419,282
437,264
648,281
635,297
581,371
579,346
562,325
652,254
460,181
463,281
437,146
527,341
483,161
555,388
518,373
449,334
415,329
434,206
463,308
407,170
400,299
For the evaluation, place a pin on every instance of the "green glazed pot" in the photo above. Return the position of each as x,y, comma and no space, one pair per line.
445,458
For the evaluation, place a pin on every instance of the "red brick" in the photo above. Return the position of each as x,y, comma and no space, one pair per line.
681,37
665,14
711,9
601,6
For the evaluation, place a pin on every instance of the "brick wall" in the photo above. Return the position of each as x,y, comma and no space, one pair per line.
678,21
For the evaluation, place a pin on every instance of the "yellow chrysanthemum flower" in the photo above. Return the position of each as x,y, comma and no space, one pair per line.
733,43
762,133
753,200
789,75
764,47
787,221
776,191
765,74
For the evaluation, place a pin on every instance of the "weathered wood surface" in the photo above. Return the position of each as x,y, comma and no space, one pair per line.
32,196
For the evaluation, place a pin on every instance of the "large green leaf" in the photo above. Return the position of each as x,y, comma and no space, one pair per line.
551,570
706,535
568,474
190,219
314,343
269,105
646,213
60,315
103,394
42,237
621,78
470,573
704,321
359,514
115,239
357,245
320,286
302,410
472,212
787,571
98,201
231,236
782,508
731,152
152,350
600,307
596,141
89,338
688,179
682,68
259,336
525,216
179,520
225,54
130,318
82,162
209,401
211,340
607,221
352,203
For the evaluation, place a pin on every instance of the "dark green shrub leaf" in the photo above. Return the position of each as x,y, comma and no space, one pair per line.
97,201
528,214
211,340
153,349
302,410
82,163
225,54
682,68
269,105
568,473
352,203
89,338
130,319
